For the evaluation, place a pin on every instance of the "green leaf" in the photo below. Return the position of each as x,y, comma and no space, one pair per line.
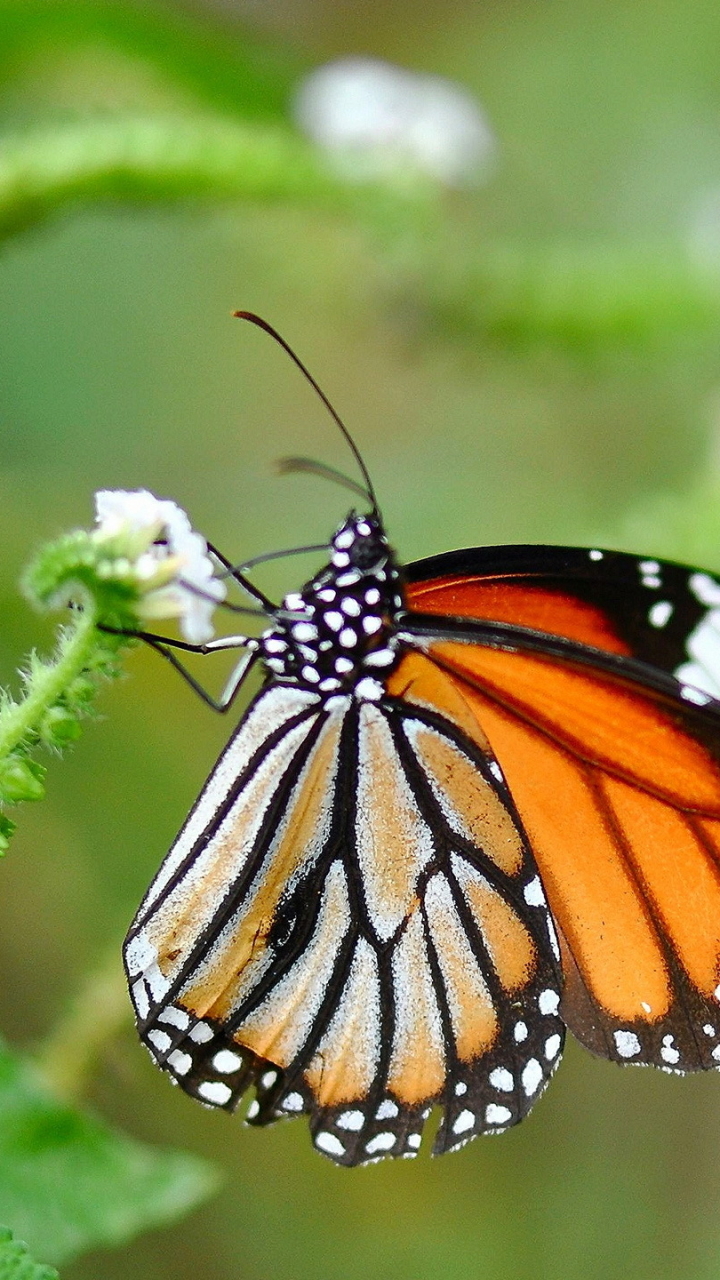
69,1183
21,780
17,1264
7,827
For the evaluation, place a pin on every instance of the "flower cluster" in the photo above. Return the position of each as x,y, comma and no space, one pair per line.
149,542
141,562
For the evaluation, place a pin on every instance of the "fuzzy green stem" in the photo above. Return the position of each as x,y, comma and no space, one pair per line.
50,681
164,158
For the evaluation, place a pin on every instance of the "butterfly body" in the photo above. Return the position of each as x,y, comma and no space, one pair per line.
337,633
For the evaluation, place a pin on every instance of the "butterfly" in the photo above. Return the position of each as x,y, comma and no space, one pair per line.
475,802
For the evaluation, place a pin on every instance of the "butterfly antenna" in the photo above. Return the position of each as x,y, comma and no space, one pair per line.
289,466
268,328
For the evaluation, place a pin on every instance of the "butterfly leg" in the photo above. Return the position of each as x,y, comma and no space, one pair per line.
165,645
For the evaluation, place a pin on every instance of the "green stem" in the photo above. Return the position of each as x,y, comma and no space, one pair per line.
50,680
164,158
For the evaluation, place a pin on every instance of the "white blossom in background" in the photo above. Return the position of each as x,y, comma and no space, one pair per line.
373,117
151,543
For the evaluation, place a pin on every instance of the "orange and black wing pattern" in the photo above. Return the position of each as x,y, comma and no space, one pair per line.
593,676
352,922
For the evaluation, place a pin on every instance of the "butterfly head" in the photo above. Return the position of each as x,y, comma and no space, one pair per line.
337,635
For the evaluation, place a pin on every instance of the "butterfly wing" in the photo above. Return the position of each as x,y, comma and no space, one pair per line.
351,920
591,675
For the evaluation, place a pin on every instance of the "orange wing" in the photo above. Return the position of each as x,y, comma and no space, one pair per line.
618,789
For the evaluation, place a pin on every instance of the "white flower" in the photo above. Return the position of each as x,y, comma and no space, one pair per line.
373,117
151,542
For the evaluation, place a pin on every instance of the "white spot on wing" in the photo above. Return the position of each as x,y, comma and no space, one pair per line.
175,1017
465,1121
179,1061
552,1047
533,893
495,1114
668,1052
627,1044
368,689
201,1033
160,1039
705,589
352,1120
501,1078
531,1077
690,694
548,1001
381,1142
225,1061
660,613
156,981
215,1091
328,1143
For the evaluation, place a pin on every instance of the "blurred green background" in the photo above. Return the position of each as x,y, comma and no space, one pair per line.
537,359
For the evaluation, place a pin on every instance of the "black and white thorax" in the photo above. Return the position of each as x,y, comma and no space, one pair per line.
337,635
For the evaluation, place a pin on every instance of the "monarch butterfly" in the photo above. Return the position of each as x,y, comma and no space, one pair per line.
476,801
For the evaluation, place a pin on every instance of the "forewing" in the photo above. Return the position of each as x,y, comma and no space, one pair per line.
664,614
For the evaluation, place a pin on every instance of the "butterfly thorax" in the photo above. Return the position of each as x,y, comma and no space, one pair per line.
337,633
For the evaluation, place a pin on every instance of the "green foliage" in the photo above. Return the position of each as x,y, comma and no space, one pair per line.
58,693
224,69
16,1262
69,1183
166,158
76,567
573,296
224,133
